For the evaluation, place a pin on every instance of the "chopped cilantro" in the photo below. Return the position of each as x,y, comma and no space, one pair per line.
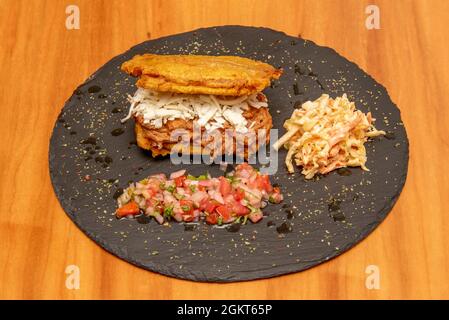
199,178
232,179
168,211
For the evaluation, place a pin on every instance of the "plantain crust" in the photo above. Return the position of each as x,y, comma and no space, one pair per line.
197,74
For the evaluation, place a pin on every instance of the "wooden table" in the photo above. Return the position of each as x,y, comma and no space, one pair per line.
41,62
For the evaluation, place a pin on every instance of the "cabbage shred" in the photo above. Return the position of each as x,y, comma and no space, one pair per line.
327,134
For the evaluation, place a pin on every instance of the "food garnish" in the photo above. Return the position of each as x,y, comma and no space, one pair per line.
327,134
236,197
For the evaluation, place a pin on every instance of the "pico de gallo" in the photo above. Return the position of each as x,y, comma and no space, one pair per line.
235,197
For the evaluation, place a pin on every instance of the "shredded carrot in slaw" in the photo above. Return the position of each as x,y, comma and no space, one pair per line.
327,134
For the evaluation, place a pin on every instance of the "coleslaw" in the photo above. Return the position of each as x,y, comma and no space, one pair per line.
327,134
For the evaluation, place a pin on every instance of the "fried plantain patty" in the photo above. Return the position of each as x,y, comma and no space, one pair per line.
196,74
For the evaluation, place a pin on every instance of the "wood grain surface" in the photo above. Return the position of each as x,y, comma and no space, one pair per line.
41,62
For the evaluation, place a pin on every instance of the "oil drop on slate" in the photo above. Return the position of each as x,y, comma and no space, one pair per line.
94,89
335,211
117,132
284,228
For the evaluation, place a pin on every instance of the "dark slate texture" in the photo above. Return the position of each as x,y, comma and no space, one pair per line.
92,155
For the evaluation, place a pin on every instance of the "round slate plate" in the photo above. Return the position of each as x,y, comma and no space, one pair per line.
92,156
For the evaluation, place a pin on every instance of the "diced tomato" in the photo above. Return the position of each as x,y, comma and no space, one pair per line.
240,210
179,181
224,212
255,217
187,218
225,186
209,205
276,195
186,206
239,194
153,189
131,208
229,200
263,183
205,183
212,218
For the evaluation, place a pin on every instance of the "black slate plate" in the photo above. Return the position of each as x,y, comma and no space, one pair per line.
318,219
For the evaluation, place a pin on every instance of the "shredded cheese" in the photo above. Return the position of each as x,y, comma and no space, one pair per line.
211,112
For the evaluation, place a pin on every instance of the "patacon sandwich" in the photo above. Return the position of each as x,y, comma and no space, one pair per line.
216,93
